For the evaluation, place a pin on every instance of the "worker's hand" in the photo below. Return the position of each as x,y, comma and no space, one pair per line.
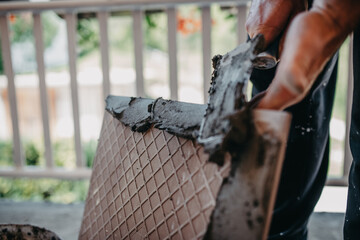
271,17
313,37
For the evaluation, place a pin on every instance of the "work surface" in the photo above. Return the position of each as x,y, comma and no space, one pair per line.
65,220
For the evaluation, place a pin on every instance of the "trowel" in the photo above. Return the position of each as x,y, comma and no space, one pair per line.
227,94
251,138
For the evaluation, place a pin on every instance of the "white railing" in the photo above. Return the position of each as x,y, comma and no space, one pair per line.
102,8
347,159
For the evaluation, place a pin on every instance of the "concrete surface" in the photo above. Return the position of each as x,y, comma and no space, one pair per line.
65,220
325,225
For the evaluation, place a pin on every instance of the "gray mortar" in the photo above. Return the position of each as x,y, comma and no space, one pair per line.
179,118
227,92
241,204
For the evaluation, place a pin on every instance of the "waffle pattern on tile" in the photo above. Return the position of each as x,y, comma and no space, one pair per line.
149,185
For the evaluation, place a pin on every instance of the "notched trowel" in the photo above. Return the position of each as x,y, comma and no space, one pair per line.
227,99
254,139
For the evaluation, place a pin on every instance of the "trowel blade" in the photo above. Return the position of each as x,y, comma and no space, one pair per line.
227,91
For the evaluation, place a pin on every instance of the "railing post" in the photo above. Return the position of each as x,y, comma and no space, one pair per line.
104,48
9,72
138,50
39,46
350,89
241,19
206,47
172,49
71,36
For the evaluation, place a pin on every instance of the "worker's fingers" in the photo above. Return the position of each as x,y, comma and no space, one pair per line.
312,39
256,99
271,18
269,32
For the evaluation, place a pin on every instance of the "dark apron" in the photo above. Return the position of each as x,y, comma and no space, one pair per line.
307,154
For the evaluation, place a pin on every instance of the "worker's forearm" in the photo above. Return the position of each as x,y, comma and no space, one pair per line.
344,14
312,39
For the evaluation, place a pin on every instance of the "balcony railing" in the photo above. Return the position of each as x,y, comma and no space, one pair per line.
103,9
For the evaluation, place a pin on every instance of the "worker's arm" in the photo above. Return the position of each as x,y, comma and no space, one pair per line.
312,38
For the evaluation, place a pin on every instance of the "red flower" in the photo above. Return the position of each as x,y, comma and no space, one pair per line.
12,18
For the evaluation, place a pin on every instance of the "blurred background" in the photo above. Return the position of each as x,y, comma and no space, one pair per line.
122,78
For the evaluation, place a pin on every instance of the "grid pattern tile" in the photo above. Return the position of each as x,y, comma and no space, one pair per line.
152,185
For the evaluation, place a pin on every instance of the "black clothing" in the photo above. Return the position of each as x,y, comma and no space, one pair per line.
307,154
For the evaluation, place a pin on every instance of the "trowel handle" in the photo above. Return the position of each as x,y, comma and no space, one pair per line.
270,57
273,48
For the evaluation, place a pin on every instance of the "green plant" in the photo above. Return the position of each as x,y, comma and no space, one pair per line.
21,30
6,156
88,36
155,31
32,154
89,149
54,190
50,23
64,153
21,26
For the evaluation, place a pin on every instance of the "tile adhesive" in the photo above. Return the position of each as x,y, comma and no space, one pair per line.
167,169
